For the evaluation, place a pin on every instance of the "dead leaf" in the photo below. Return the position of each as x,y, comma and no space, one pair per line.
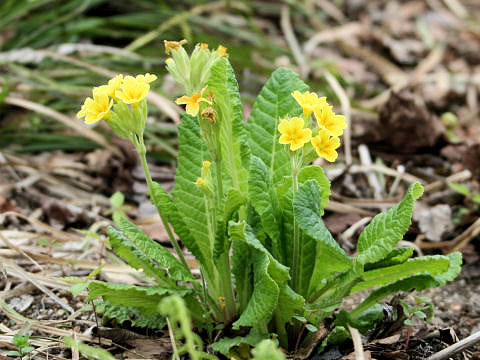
433,221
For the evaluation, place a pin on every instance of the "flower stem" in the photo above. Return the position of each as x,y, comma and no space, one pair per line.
141,149
296,230
224,261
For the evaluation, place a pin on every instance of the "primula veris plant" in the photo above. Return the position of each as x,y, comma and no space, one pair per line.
248,204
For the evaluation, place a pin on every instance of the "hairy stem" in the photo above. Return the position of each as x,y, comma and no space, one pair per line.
141,149
296,230
224,266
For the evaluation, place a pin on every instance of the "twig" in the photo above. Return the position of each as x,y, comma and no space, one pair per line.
16,248
365,159
293,42
347,234
338,207
357,343
17,271
96,322
346,108
455,348
457,177
461,240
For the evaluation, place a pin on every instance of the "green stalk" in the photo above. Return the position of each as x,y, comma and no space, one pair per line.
142,151
296,230
224,265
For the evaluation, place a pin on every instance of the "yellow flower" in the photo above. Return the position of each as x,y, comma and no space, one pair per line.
173,45
293,133
206,165
113,85
326,145
95,109
327,120
133,90
168,61
203,46
222,51
192,102
200,182
308,101
147,78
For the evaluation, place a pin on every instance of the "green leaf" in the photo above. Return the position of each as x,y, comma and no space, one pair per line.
337,336
188,199
146,299
136,258
267,350
395,257
330,296
387,229
164,203
329,256
224,345
78,288
418,282
453,270
289,304
316,173
425,265
268,276
132,315
233,136
230,204
363,322
264,200
242,271
154,250
273,103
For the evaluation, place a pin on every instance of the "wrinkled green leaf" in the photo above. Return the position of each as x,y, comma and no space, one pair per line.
268,275
316,173
136,258
225,344
233,136
146,299
395,257
188,199
330,257
154,250
387,229
418,282
273,103
230,205
264,200
428,265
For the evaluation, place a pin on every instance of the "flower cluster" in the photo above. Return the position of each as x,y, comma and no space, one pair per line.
121,102
192,71
330,126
